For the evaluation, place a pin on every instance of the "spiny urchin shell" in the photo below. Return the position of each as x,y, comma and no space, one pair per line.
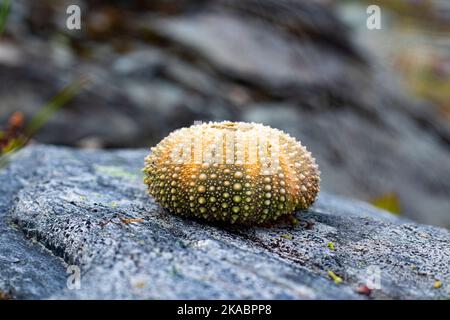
236,172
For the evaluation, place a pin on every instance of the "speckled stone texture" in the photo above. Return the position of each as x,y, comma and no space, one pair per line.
290,64
61,206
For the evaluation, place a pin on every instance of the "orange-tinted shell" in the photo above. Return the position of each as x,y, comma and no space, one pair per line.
238,172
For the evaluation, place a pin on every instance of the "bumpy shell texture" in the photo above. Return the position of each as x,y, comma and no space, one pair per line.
244,173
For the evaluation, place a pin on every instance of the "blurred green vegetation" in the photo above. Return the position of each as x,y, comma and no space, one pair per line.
17,133
416,13
4,11
389,202
417,33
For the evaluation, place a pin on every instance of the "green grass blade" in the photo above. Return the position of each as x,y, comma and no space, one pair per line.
4,11
58,101
42,117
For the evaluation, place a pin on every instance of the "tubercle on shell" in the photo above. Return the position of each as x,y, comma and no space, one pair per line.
226,171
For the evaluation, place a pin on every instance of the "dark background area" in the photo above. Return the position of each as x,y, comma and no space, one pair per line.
371,105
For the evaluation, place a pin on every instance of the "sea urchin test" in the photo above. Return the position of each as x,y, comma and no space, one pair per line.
236,172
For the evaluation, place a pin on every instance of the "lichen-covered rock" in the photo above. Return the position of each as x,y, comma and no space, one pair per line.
61,206
289,64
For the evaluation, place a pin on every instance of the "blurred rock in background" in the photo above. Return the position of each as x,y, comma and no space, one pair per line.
155,66
414,40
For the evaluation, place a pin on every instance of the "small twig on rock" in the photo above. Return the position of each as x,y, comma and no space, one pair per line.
130,220
125,221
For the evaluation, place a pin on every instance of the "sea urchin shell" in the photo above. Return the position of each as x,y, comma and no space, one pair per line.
236,172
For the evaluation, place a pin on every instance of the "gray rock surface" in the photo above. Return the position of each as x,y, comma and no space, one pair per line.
160,65
62,206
